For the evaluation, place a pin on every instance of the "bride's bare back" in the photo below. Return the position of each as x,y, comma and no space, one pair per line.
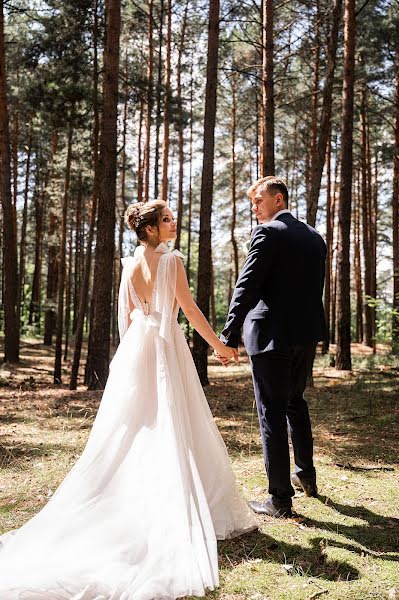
143,276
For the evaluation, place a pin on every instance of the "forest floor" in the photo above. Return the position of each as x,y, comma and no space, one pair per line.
342,545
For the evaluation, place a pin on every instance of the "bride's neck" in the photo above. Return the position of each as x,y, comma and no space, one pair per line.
150,246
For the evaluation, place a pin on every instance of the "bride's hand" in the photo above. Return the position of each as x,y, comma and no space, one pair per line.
224,354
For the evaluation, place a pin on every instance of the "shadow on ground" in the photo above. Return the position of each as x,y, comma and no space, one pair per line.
297,559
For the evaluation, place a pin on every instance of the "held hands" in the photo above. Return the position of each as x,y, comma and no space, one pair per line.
224,354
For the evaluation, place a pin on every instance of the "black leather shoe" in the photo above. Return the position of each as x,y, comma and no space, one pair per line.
305,485
269,508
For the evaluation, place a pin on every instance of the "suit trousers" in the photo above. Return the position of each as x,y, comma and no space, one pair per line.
279,379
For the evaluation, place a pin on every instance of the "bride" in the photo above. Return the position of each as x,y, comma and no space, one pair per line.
138,516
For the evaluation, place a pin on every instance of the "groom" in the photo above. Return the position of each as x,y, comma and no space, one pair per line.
278,300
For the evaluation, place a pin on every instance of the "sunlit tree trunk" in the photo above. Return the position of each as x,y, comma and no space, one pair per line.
234,177
86,275
22,245
167,116
395,220
343,358
319,150
98,360
180,129
10,257
267,148
204,275
366,218
62,258
158,118
148,119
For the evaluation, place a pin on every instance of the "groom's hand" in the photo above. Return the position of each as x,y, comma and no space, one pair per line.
226,355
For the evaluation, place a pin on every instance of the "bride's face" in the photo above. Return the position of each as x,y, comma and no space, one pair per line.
167,226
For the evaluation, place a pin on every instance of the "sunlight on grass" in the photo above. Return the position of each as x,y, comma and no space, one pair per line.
343,545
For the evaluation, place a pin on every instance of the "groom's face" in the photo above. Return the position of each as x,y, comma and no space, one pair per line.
265,205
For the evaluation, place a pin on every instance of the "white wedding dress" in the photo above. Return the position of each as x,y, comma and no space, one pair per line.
138,516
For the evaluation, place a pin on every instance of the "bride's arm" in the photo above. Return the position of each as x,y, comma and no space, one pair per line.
195,316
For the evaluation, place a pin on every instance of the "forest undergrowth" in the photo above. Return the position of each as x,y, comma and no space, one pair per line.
342,545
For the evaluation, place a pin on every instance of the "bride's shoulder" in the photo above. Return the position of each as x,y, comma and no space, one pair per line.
127,261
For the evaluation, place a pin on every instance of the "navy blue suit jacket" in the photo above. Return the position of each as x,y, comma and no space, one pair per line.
278,295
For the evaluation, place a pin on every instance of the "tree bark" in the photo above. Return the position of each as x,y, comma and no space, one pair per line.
343,359
11,325
357,266
267,149
366,219
140,165
22,246
180,131
329,229
325,120
190,188
204,276
35,304
78,254
62,259
68,294
395,220
167,115
98,359
150,70
234,177
315,91
158,118
52,252
84,291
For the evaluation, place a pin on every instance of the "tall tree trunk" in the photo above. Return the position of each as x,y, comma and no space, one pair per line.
234,177
52,252
35,304
204,276
140,165
121,220
11,326
167,115
22,246
329,217
317,170
180,130
357,271
190,188
267,149
373,239
78,253
366,219
343,359
68,294
98,360
158,118
84,291
213,301
315,91
334,250
395,221
62,258
150,70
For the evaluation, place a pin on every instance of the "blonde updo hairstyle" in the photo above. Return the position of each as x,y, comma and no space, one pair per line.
140,215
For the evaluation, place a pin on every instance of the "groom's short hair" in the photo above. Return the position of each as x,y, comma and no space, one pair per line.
272,184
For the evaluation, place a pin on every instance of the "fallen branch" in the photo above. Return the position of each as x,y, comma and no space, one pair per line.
353,468
317,594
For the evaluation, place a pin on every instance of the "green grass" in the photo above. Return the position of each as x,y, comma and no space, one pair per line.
342,545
